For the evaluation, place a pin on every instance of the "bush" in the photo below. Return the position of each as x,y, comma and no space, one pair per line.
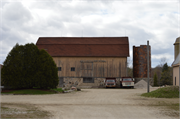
166,77
27,67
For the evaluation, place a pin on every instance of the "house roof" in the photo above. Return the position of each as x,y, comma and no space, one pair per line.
177,61
85,46
177,41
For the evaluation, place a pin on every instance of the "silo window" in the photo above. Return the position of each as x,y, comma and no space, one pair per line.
175,81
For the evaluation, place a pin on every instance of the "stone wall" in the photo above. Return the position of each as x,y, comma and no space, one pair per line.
78,82
69,82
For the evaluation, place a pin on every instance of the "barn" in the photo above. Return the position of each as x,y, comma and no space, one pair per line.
87,61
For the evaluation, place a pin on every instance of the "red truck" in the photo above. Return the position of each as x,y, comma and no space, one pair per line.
127,82
110,82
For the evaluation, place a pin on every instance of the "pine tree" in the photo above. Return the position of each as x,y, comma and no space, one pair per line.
166,78
155,80
165,67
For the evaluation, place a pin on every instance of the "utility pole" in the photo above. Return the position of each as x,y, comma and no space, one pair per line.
147,66
0,74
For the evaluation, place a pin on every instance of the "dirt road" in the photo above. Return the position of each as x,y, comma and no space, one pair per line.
99,104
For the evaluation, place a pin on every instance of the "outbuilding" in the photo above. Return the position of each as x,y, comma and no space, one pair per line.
87,61
176,63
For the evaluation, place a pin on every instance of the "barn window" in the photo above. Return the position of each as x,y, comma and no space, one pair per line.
88,80
72,68
59,68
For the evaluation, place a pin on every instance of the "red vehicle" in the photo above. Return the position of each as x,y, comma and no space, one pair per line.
110,82
127,82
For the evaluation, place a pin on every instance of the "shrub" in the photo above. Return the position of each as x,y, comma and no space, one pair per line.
27,67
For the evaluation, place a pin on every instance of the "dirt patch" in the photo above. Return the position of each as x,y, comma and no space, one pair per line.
166,106
100,104
11,110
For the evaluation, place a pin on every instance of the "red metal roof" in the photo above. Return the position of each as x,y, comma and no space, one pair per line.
85,46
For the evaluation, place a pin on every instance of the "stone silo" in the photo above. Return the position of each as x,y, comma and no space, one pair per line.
140,62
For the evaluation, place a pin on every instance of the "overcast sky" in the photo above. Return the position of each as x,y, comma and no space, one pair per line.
24,21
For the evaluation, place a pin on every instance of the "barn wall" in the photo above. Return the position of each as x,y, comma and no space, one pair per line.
91,67
97,67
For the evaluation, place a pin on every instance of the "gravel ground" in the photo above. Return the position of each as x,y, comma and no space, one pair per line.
141,84
98,104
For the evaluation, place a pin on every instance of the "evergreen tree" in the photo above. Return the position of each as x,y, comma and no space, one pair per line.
27,67
155,80
166,78
165,67
47,71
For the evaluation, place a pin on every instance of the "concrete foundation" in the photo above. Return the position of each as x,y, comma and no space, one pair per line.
68,82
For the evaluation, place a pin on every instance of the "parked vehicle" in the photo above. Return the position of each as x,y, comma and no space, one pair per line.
127,82
110,82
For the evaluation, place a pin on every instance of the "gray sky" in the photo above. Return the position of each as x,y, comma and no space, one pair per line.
24,21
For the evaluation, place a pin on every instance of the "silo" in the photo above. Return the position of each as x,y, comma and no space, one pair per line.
140,62
176,48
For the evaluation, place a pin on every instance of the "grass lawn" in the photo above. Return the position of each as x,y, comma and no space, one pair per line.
171,108
58,90
165,92
32,91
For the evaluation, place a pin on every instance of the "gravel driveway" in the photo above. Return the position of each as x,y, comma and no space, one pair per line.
98,104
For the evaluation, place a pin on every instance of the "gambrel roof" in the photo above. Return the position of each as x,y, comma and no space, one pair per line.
85,46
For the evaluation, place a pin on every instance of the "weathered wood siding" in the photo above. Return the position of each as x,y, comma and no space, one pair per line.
91,66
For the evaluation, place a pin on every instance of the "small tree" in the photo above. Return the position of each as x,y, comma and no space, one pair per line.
27,67
162,61
129,67
155,80
165,67
166,77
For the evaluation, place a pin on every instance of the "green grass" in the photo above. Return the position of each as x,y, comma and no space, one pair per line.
175,106
165,92
33,91
58,90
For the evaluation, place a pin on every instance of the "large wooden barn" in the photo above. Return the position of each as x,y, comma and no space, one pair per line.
87,61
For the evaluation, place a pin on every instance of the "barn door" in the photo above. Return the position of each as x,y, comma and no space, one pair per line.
86,69
61,81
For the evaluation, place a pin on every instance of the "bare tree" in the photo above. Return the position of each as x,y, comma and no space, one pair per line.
162,61
129,62
129,67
